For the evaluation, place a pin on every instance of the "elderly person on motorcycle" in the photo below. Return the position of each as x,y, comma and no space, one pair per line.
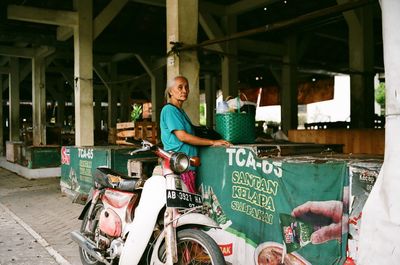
177,132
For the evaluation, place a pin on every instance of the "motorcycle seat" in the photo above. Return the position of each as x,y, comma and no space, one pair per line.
108,178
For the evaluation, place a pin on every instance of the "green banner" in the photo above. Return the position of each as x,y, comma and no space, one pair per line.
266,205
78,165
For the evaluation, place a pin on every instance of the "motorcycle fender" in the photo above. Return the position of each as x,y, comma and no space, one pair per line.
85,209
152,200
87,205
197,219
194,219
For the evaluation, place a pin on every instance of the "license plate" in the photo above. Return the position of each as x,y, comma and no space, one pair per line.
181,199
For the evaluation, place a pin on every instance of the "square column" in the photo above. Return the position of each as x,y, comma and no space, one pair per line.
209,85
1,115
229,65
83,71
288,95
60,103
157,97
379,241
14,99
112,97
361,53
38,101
98,96
182,24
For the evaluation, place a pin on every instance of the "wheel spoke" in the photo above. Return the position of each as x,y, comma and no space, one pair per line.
193,253
195,247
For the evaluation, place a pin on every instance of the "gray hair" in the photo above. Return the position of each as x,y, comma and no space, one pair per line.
171,84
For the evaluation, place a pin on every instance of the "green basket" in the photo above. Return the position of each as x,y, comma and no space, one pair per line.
237,128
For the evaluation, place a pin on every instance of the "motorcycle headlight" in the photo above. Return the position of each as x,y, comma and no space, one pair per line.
179,163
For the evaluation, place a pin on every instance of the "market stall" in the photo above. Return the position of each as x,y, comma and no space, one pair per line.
262,198
79,163
266,205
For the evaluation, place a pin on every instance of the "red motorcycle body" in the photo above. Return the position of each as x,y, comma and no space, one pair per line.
118,208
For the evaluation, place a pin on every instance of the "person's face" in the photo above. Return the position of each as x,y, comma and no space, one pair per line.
180,90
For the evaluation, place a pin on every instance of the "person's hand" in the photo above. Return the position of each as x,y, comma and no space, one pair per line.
221,143
330,209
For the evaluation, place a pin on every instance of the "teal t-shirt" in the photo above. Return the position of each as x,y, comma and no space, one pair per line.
171,119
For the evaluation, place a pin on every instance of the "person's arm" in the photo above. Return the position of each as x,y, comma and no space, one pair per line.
188,138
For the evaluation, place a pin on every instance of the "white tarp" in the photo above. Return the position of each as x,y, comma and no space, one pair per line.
380,229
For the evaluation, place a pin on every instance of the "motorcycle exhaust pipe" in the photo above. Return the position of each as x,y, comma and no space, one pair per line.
88,246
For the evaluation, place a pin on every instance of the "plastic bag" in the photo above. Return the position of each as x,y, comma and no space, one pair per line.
235,103
222,107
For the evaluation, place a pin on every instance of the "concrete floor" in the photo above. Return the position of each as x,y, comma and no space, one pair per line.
35,222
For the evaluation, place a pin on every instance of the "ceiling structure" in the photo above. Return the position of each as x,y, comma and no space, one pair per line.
140,28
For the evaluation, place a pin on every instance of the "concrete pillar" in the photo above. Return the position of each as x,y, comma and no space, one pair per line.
38,101
60,103
157,97
14,99
229,67
1,116
61,111
361,53
289,87
379,234
182,24
83,71
211,94
157,87
98,95
157,83
112,97
125,103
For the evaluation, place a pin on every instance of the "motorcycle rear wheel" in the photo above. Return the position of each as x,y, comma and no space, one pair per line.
86,258
195,247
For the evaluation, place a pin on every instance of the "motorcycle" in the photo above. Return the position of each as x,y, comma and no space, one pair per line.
126,217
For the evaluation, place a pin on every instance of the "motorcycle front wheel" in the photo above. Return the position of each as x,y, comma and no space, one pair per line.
195,247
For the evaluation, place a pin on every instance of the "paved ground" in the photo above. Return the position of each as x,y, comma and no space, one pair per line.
35,222
17,246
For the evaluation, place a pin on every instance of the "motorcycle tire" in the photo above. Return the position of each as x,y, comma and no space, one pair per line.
195,247
87,259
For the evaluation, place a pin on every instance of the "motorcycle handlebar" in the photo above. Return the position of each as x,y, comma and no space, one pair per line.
195,161
147,146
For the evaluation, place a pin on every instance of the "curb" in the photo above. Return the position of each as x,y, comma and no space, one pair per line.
58,258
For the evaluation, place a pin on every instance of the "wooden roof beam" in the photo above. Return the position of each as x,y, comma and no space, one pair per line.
210,27
122,56
244,6
159,3
104,77
17,52
332,37
209,6
212,8
4,70
42,15
100,22
270,48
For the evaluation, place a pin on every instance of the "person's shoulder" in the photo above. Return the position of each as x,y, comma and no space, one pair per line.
169,106
168,110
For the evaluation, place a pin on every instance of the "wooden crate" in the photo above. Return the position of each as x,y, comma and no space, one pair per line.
139,130
355,141
112,135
